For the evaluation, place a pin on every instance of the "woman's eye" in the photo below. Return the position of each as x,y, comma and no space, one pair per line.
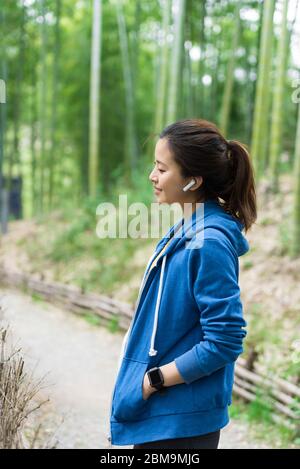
160,170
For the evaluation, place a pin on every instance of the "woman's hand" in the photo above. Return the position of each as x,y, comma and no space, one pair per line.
147,389
171,377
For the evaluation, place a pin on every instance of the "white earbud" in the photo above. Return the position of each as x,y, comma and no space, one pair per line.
190,184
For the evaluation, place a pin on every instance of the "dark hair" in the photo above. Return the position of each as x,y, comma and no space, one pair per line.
200,150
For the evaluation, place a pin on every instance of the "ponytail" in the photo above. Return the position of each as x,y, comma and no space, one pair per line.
239,196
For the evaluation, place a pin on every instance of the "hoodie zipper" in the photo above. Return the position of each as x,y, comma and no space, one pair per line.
143,284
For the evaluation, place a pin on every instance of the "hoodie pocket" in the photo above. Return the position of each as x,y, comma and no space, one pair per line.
128,402
212,391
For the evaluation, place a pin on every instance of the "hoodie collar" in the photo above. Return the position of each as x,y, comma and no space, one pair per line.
183,229
209,214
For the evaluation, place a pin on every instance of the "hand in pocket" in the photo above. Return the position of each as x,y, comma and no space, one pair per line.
129,401
147,389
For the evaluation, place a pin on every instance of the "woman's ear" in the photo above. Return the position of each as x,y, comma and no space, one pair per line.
199,181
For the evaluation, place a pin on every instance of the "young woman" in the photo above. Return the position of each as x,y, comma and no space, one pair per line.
176,368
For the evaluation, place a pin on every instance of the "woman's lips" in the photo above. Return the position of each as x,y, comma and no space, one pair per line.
156,190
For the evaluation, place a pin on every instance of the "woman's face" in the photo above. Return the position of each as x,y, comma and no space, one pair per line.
166,178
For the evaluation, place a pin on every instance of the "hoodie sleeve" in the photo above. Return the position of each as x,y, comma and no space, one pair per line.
214,270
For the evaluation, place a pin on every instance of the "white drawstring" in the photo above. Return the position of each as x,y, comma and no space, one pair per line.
124,344
152,351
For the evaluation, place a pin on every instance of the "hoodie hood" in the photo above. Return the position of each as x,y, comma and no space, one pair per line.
209,215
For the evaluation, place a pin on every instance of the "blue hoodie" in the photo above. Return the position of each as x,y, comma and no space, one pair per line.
188,310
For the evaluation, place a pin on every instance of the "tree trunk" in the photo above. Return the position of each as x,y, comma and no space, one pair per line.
3,190
187,107
131,142
18,93
278,99
176,66
43,103
135,45
227,93
53,156
160,108
2,98
295,245
33,119
200,107
261,109
94,118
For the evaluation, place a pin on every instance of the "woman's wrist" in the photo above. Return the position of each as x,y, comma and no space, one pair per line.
171,374
171,377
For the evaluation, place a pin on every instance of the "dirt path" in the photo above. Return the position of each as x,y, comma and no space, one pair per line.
80,361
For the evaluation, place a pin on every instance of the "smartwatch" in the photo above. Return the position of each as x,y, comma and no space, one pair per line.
156,379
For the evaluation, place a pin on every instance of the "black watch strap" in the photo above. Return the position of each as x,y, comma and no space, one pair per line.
156,379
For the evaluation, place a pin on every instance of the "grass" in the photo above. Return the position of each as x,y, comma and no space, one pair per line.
38,298
19,400
285,236
258,333
248,265
277,347
261,426
112,325
92,319
266,221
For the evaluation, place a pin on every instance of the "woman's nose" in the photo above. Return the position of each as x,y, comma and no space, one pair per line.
152,175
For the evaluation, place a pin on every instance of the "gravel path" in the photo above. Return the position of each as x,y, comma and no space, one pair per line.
80,361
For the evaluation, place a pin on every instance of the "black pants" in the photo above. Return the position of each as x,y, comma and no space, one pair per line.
208,441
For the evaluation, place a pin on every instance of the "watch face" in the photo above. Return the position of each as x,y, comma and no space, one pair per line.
155,377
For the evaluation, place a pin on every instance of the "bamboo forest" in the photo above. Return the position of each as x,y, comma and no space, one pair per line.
94,94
